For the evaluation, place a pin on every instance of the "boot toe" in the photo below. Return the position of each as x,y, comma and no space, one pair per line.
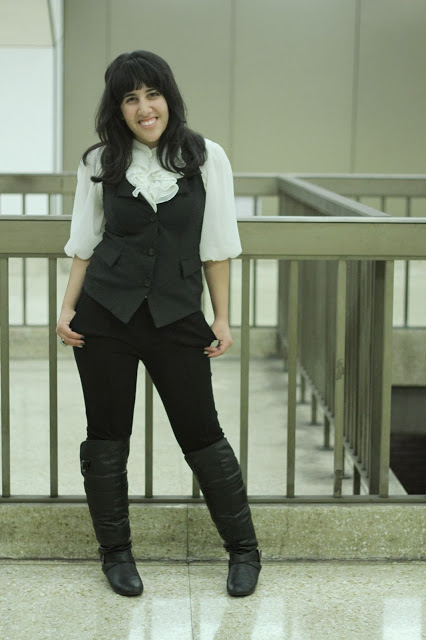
120,569
125,579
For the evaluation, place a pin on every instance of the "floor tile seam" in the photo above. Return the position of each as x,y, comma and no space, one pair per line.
188,569
220,562
191,602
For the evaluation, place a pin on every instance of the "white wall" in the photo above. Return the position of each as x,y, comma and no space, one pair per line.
26,109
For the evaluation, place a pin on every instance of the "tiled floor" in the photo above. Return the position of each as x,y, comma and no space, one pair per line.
294,601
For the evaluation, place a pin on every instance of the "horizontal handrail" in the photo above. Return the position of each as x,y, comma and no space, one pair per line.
24,183
307,238
246,184
323,201
370,184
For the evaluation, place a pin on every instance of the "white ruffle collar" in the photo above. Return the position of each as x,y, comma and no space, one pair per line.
149,178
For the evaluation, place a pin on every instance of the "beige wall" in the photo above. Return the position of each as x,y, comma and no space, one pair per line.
283,85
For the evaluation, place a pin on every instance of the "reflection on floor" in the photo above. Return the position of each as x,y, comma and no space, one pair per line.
294,601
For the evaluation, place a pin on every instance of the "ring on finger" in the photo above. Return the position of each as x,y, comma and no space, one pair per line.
62,342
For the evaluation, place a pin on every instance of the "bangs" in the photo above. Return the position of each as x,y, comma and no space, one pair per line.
134,73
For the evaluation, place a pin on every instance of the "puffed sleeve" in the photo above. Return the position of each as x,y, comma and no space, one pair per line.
88,222
219,236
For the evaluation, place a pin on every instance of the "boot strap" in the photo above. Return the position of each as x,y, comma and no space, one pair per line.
245,558
116,557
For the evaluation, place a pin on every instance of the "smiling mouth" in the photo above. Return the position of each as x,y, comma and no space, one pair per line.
147,123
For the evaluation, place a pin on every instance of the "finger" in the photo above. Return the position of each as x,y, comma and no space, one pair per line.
69,333
214,352
72,339
74,343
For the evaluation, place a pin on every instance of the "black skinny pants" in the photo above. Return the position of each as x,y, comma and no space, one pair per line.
174,357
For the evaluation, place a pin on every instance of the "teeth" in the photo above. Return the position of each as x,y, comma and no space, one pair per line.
147,123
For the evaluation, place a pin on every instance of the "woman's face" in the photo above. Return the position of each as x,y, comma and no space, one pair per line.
146,113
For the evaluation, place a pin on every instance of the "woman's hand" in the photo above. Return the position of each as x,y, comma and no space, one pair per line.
71,297
65,333
223,334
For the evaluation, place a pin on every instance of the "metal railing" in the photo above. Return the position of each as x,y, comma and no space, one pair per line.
401,195
397,195
392,194
351,254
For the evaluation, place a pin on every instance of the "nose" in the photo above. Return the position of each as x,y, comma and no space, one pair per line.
144,108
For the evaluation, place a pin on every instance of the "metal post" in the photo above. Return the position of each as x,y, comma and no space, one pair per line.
382,378
407,272
302,389
24,271
339,378
293,313
53,378
5,377
314,406
356,482
326,433
245,362
149,419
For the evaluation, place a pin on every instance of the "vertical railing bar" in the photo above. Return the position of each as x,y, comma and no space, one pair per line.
339,378
293,315
53,377
356,482
245,361
386,366
254,303
149,435
24,270
314,405
326,432
255,270
302,389
383,204
407,270
369,376
5,376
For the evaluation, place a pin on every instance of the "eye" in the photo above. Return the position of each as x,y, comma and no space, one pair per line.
130,99
154,94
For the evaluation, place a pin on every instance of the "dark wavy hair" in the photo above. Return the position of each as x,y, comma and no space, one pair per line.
129,71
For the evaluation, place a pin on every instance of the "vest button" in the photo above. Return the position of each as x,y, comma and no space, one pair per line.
151,251
147,282
153,218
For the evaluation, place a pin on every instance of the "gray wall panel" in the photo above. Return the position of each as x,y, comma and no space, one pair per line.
293,101
195,39
277,83
391,132
85,57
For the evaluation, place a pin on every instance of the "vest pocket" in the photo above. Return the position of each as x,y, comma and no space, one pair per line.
107,253
190,265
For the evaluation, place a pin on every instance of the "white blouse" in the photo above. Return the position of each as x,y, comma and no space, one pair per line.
219,235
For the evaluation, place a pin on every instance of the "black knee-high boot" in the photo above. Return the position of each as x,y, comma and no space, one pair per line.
220,479
104,467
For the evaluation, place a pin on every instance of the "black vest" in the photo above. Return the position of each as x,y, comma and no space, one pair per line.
147,254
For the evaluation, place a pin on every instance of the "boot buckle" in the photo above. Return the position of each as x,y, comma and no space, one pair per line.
84,466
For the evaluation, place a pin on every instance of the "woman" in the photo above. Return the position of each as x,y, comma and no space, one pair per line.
154,204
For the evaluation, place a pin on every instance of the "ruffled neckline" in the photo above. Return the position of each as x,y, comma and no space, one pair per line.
149,178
